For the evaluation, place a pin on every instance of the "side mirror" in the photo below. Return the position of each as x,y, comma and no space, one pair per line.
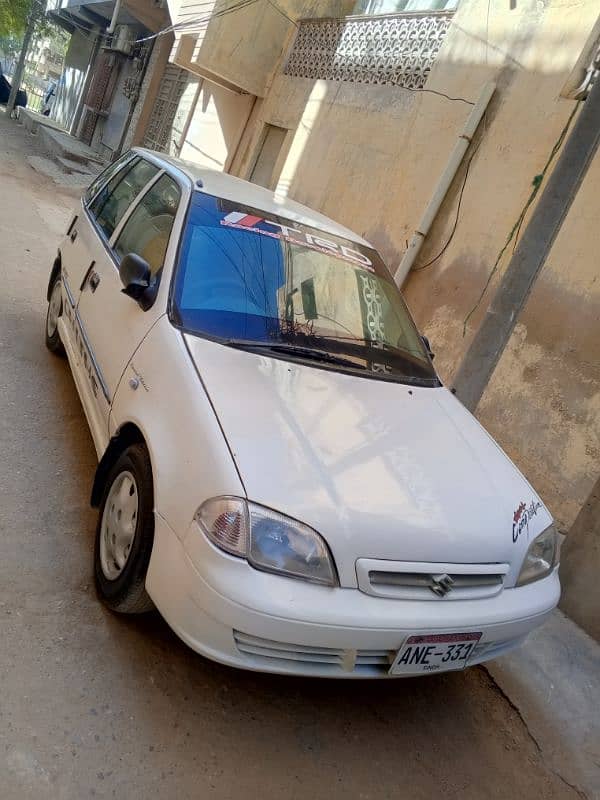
428,346
136,279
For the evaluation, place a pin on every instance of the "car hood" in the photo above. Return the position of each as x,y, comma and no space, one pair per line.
382,470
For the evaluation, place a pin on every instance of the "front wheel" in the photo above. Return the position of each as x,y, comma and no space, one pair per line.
125,533
55,307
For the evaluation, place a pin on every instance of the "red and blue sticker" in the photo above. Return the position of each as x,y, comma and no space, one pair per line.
277,230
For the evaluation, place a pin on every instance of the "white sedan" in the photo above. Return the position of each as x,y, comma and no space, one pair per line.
281,472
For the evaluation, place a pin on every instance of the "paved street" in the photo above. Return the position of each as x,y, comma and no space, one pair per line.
94,705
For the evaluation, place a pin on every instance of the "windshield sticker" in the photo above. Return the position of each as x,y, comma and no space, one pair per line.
248,222
522,517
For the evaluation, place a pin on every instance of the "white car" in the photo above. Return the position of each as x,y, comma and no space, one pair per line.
281,472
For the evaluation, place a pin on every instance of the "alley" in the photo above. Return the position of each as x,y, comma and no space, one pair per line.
94,705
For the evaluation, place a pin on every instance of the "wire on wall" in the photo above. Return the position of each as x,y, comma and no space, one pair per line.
200,22
514,232
456,218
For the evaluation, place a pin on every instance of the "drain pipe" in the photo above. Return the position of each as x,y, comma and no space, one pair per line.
115,17
454,162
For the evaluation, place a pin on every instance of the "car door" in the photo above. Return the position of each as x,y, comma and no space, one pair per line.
81,246
114,323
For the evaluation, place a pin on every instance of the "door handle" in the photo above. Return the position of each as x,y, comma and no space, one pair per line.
94,281
73,235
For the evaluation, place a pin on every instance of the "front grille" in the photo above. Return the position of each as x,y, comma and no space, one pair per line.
420,581
416,585
324,659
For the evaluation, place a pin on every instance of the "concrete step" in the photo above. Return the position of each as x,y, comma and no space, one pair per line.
32,121
78,167
64,146
553,681
70,154
49,168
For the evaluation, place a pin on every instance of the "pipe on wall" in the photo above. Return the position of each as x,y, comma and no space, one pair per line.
115,17
444,183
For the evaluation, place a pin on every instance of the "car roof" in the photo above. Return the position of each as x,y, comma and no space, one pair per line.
220,184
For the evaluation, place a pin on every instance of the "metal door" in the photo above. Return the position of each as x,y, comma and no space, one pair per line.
99,95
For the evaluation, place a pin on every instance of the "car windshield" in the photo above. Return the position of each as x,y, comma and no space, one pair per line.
258,281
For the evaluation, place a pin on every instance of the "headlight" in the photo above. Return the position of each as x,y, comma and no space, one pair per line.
541,557
268,540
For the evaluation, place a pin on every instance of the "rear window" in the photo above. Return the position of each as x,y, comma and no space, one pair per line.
113,200
105,176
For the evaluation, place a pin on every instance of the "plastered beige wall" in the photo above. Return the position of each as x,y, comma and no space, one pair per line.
543,402
244,47
216,125
371,157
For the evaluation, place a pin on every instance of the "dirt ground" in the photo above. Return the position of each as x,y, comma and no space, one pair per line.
94,705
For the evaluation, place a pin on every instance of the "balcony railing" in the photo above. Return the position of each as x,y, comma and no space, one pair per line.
396,49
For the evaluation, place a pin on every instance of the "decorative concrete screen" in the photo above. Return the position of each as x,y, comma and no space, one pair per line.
398,49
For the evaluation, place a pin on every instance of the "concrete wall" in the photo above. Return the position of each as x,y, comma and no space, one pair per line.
70,87
243,47
580,562
543,402
209,120
370,156
152,15
216,126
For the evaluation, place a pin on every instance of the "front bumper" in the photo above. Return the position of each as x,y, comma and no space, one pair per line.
231,613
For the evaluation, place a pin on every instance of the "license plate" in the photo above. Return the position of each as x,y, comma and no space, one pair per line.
435,652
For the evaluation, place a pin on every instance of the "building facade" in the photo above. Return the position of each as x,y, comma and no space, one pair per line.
104,68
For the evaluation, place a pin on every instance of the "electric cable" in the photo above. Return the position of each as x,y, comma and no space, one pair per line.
537,182
199,21
456,219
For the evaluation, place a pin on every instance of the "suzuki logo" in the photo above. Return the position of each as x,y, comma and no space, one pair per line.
441,584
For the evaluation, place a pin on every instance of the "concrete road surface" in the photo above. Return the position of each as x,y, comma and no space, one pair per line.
95,705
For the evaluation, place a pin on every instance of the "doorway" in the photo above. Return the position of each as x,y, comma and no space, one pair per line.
268,156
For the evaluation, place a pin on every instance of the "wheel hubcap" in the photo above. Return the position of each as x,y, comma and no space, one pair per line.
54,308
119,520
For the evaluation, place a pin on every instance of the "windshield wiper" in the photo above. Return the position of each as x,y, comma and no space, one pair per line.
373,344
312,353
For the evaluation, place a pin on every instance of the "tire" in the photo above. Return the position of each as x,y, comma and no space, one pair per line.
55,308
125,533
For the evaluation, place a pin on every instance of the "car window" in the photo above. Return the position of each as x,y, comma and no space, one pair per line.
105,176
147,230
249,278
114,199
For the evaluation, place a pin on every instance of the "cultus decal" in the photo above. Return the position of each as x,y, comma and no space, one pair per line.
522,516
248,222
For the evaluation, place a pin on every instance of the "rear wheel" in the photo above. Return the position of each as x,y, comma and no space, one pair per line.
55,307
125,533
